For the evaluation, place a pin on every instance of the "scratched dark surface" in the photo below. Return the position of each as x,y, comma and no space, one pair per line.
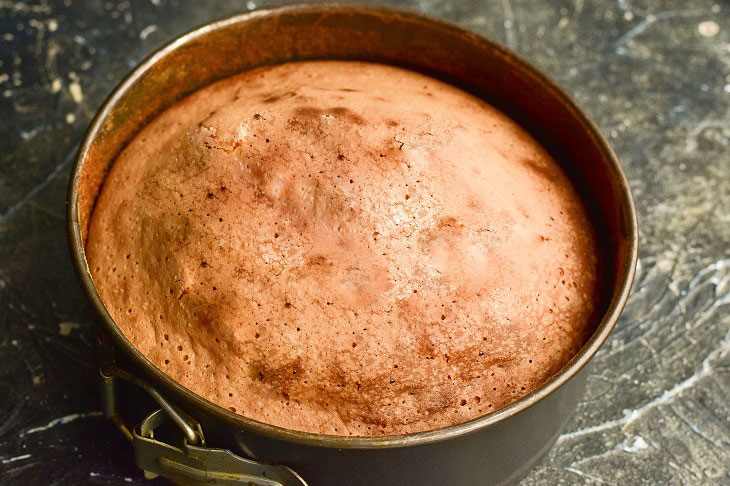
655,75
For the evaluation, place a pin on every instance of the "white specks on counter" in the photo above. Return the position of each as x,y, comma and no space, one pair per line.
70,118
666,263
509,21
708,28
24,7
636,445
65,328
147,31
21,457
61,421
31,133
74,90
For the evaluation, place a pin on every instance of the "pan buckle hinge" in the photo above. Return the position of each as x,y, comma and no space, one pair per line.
199,465
193,463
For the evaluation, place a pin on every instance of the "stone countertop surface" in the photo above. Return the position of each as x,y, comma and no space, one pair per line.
655,75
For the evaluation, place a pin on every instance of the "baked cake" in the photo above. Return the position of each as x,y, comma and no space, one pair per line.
345,248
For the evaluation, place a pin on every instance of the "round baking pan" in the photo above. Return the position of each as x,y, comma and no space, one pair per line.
494,449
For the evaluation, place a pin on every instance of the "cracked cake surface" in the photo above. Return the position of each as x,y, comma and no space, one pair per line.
345,248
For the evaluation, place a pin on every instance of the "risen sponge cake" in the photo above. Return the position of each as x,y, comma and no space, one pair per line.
344,248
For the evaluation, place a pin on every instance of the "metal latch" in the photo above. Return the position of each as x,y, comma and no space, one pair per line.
198,465
193,464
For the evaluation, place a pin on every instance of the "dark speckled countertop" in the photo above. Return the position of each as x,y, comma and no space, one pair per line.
655,75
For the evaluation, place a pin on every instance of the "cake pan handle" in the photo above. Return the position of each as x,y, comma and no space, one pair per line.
198,465
109,371
192,464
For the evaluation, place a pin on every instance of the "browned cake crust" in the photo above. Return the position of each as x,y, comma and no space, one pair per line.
344,248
